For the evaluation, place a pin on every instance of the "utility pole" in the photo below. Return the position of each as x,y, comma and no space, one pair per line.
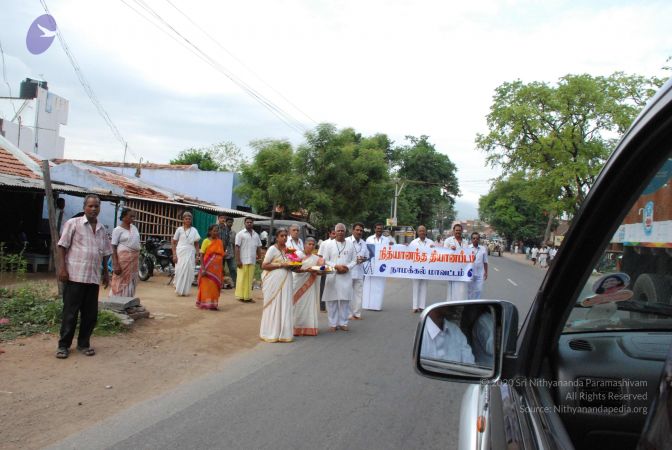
49,195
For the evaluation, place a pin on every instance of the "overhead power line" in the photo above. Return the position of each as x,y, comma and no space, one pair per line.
87,87
279,112
202,30
4,76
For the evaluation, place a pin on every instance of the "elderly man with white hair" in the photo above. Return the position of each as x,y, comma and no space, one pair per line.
294,241
338,253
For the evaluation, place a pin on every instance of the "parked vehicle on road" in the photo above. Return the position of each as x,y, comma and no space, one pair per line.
591,366
495,247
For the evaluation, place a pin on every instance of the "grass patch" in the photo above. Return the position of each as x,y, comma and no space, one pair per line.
34,308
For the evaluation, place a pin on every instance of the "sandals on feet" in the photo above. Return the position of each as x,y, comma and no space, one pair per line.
87,351
62,353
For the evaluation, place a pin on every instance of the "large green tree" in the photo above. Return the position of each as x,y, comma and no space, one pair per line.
270,179
223,156
429,183
335,176
345,174
561,135
513,209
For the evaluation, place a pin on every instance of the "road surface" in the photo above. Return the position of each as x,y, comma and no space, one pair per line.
343,390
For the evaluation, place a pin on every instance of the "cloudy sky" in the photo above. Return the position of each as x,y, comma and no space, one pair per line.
397,67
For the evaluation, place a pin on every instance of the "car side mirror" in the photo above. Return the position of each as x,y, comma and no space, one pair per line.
465,341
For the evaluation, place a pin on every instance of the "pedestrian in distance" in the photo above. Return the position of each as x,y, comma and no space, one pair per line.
125,256
338,253
422,242
185,254
277,318
479,268
248,251
82,249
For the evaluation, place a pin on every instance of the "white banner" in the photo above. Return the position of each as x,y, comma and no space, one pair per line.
437,263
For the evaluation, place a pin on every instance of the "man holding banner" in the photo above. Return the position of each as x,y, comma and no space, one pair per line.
374,287
457,290
420,285
361,255
480,266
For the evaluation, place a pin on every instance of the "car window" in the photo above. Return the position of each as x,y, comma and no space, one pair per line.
631,286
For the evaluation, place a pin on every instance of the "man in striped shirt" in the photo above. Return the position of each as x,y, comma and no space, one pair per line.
83,247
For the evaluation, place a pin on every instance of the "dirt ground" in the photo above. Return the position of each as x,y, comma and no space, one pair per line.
44,399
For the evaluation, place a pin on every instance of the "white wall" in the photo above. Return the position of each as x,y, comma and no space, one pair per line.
52,112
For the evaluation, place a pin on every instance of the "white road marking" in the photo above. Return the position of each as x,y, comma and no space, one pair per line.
511,281
496,269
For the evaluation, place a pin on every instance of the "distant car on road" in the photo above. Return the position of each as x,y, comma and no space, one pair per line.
495,247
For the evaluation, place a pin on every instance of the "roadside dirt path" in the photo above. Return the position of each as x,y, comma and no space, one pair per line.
43,399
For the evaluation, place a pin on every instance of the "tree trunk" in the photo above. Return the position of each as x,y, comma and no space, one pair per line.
547,233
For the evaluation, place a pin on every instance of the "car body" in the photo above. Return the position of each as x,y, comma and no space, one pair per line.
589,368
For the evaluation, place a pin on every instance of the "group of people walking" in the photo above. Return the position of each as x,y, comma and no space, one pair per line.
291,268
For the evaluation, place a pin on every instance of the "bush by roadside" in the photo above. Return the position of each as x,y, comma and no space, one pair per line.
34,308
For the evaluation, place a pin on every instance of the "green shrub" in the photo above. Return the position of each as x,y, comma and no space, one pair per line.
33,309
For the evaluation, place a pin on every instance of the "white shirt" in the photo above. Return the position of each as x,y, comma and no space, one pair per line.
339,285
534,252
374,240
129,239
418,243
186,238
481,260
360,250
449,344
452,242
248,243
483,338
298,246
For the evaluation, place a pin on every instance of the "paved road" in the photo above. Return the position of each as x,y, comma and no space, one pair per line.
354,390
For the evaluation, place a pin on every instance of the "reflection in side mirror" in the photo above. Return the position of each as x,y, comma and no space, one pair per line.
462,341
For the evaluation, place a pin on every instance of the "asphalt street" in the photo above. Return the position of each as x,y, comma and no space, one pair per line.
343,390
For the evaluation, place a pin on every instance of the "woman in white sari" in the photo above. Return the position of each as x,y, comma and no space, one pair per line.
185,254
306,293
276,282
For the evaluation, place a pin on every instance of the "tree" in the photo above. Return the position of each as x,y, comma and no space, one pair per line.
345,175
200,157
430,182
270,180
224,156
562,135
512,209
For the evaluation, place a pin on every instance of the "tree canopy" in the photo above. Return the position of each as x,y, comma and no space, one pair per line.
430,182
224,156
512,208
339,175
561,135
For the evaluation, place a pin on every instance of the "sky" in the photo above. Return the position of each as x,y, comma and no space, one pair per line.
379,66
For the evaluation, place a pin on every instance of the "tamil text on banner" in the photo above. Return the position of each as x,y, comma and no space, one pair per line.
434,263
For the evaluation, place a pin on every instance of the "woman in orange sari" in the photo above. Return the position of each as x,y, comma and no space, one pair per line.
210,275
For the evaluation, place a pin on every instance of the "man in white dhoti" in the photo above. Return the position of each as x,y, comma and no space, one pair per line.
457,290
338,253
419,285
361,255
480,267
295,241
374,287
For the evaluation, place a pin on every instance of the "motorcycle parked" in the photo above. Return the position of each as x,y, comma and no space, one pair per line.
156,253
